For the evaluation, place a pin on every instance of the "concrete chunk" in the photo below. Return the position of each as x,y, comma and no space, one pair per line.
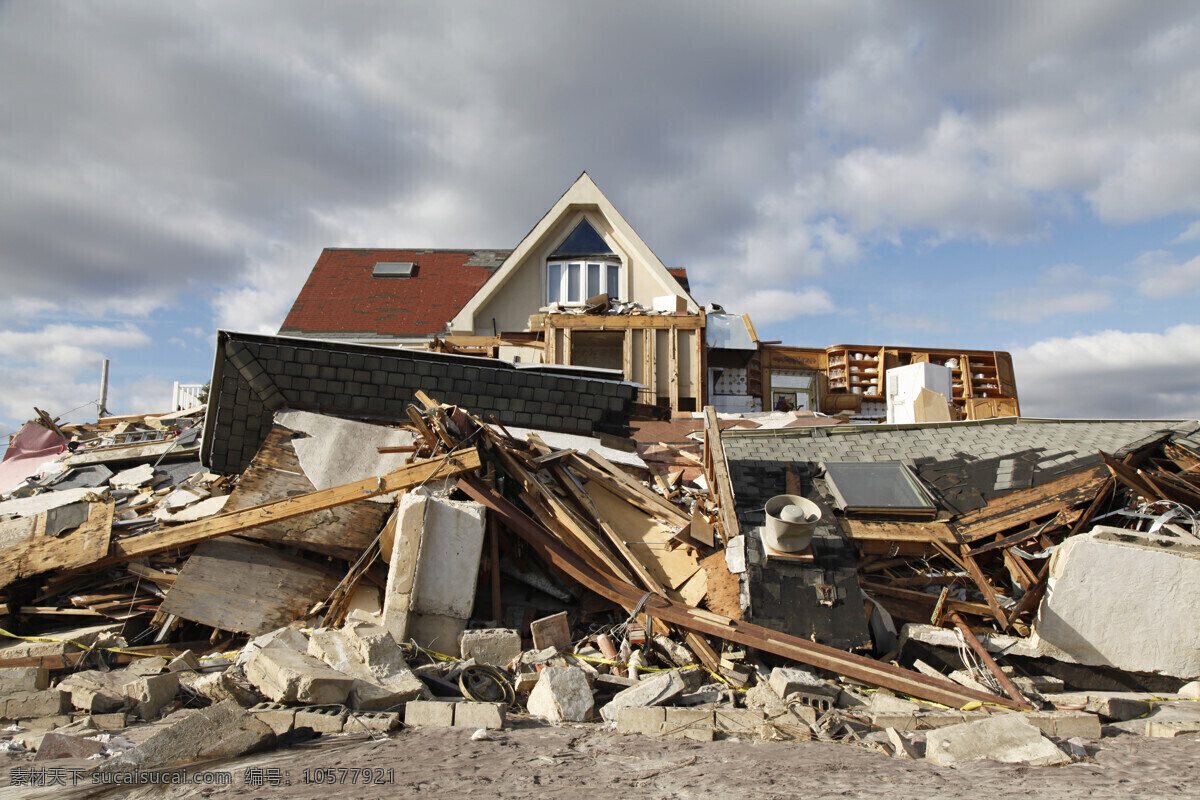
146,666
496,646
94,691
218,686
222,731
660,690
279,717
57,745
151,694
479,715
689,724
289,638
739,721
647,721
790,680
1111,706
288,676
901,746
184,662
23,679
1005,737
562,694
387,686
431,713
25,705
48,723
1066,724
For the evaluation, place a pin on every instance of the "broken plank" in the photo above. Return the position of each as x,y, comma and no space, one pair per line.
921,532
669,512
195,532
1025,506
716,472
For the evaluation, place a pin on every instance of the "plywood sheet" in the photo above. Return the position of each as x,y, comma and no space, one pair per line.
26,550
237,585
646,537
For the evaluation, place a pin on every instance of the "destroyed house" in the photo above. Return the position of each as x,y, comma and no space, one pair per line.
583,289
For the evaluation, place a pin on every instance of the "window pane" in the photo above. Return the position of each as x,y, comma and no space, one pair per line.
573,284
593,280
553,282
613,287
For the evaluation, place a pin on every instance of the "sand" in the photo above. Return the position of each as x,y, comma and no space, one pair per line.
534,761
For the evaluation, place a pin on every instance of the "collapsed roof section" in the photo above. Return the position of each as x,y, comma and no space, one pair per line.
254,376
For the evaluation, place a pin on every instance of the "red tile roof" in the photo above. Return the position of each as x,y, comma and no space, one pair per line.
341,296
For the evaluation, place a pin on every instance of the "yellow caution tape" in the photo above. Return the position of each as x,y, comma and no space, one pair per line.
52,640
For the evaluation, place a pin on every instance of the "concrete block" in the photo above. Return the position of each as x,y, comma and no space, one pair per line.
526,681
786,681
218,686
1066,724
23,679
739,721
1097,610
479,715
184,662
562,694
433,570
647,721
659,690
56,745
900,722
289,638
94,691
371,721
151,694
497,646
386,684
689,724
47,723
288,676
224,730
323,719
551,631
108,722
279,717
1005,737
884,703
46,703
431,713
146,666
1172,729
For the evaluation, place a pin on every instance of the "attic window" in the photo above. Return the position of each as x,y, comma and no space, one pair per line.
394,269
582,266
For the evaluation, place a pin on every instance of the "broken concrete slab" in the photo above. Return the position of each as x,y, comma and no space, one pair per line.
56,745
151,694
1066,724
490,716
647,721
496,646
786,681
283,637
902,746
46,723
662,689
389,683
146,666
431,713
108,722
26,705
433,569
883,702
739,721
224,730
1097,607
23,679
1005,737
205,508
218,686
184,662
68,641
1172,729
562,694
288,676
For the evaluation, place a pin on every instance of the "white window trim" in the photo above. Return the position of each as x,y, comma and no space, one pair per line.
563,298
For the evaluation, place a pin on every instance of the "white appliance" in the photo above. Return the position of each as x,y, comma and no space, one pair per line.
903,384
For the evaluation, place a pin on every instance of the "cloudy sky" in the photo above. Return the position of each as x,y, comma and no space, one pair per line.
1015,176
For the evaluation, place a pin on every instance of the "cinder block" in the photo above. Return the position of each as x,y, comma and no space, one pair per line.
1172,729
689,724
1066,724
646,721
279,717
498,646
431,713
323,719
479,715
371,721
740,721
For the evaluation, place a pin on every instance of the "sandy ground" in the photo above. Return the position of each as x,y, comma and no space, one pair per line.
534,761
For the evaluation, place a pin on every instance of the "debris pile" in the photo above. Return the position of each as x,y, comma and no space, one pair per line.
454,571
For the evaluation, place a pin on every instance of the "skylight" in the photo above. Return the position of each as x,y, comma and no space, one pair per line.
394,269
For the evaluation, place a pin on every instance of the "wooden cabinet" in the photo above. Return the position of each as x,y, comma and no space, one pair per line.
856,370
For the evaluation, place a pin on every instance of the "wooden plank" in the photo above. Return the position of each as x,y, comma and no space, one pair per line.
632,490
627,354
1025,506
195,532
233,584
989,594
673,367
650,364
274,474
927,601
891,531
26,550
645,537
750,328
717,474
613,322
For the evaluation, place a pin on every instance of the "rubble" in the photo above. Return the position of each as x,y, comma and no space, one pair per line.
562,694
1008,738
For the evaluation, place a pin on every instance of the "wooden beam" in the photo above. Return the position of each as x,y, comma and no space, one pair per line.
627,354
1025,506
634,490
650,363
615,322
920,532
673,367
717,475
195,532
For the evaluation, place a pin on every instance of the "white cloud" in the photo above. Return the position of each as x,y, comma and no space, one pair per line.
1191,234
1112,374
1058,290
775,305
1159,276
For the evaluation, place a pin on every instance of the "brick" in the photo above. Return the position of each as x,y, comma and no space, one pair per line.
430,713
